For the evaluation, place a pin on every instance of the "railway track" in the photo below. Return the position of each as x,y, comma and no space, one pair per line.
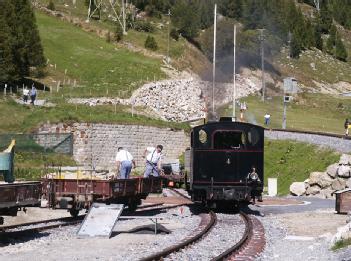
207,222
32,228
250,245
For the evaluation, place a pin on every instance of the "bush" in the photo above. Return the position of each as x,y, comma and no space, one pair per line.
108,37
150,43
118,33
51,6
174,34
142,26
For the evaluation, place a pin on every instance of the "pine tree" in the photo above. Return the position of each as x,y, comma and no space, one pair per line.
8,71
295,46
331,40
340,51
318,38
27,48
150,43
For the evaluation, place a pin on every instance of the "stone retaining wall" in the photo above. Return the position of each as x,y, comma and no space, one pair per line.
96,144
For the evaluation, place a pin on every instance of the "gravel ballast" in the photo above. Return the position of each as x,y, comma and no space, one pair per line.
226,233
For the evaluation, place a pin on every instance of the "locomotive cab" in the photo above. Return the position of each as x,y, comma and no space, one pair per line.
222,156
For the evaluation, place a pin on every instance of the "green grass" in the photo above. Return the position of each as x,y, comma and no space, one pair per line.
100,68
341,244
31,165
290,161
315,112
25,118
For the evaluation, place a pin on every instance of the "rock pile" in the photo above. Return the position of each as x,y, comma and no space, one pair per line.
179,99
324,184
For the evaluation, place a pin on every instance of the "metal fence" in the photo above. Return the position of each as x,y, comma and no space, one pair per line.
41,143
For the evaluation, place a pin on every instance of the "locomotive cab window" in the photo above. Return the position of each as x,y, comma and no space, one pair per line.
229,140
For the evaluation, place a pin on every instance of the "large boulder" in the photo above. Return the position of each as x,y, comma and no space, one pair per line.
332,170
345,159
326,193
313,190
298,188
320,178
338,184
344,171
348,183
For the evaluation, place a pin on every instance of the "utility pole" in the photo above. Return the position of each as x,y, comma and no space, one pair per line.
214,59
289,43
316,3
169,22
234,76
262,65
124,17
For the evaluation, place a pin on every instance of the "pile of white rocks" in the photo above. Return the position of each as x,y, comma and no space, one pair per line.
179,99
324,184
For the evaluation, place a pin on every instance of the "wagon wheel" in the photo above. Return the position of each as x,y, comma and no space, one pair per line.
74,212
132,205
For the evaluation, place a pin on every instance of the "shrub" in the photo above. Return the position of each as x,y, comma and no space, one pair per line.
150,43
118,33
174,34
108,37
51,6
142,26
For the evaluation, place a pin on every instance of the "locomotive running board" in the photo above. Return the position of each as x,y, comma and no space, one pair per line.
100,220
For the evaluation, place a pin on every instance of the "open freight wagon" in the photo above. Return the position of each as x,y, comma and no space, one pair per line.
77,194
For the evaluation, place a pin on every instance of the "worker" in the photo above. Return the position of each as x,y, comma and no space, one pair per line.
125,162
153,161
254,180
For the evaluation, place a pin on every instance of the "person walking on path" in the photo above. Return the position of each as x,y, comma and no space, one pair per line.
25,94
153,161
347,125
33,94
125,162
267,119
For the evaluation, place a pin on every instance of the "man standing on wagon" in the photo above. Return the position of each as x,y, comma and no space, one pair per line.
125,162
153,161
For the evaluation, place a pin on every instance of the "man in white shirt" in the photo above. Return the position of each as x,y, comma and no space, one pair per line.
267,119
153,161
125,162
25,94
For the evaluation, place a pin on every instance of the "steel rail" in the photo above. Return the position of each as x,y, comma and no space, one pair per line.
187,241
243,241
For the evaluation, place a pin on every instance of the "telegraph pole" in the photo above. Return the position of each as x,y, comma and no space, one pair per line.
316,3
124,17
169,21
214,59
262,65
234,76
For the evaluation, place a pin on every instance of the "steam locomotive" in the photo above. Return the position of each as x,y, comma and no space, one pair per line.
221,157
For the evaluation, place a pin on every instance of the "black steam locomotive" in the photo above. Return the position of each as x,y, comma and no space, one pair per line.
222,156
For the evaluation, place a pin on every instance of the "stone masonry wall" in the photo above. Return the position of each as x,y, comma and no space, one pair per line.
96,144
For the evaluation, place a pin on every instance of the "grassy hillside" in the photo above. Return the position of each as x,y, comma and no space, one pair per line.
317,112
290,161
99,67
26,118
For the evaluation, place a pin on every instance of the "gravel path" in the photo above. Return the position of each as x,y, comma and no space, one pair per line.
280,245
341,145
226,233
63,244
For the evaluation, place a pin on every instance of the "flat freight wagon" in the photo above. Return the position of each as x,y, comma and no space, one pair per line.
77,194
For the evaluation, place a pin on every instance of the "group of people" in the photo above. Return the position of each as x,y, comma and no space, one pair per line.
32,93
125,162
